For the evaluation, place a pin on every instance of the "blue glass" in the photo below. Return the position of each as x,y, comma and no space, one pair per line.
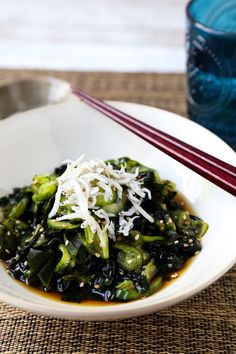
211,66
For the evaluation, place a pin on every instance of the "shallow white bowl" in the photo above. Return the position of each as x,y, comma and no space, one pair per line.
38,140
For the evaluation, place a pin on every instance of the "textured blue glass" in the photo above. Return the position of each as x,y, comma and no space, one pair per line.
211,66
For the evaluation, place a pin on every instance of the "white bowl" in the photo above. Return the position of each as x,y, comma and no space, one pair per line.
38,140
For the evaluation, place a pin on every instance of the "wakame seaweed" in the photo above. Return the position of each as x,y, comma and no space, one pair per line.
64,257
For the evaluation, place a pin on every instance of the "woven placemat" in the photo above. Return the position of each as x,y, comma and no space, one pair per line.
203,324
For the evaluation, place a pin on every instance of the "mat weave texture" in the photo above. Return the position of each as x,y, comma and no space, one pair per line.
204,324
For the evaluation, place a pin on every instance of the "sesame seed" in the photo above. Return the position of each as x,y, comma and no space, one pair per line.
174,275
25,263
97,254
67,242
190,240
81,284
7,251
161,221
8,233
97,286
130,261
18,222
136,237
41,229
185,245
176,241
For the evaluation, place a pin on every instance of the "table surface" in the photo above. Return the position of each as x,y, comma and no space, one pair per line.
204,324
120,35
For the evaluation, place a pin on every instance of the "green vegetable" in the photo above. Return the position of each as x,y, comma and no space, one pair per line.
155,285
189,225
101,202
19,208
69,250
65,259
203,229
39,181
132,165
29,238
42,240
61,225
93,245
125,285
150,270
153,238
45,191
126,291
126,295
138,239
118,206
129,259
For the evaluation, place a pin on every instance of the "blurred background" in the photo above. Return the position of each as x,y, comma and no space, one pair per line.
93,35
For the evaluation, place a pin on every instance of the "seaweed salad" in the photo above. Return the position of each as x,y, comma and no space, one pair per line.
104,230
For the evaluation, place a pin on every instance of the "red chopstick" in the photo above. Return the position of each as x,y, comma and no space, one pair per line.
219,172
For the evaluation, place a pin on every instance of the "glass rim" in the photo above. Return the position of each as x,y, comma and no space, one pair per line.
205,28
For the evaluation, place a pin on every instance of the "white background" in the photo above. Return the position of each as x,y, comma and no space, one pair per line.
108,35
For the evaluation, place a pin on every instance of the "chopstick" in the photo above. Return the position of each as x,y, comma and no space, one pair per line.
219,172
